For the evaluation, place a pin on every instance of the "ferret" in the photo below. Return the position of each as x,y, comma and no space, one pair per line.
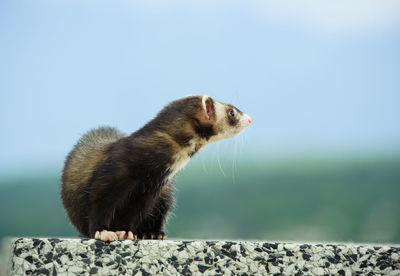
116,186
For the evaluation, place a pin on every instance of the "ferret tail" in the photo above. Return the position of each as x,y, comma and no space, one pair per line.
97,137
87,154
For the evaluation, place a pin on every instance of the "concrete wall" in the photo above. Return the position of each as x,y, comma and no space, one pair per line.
44,256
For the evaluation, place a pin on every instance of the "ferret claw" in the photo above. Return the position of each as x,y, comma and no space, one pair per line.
154,236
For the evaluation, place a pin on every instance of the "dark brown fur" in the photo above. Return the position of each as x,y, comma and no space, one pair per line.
117,182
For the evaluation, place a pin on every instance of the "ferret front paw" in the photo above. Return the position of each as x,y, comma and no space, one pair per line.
153,236
109,236
106,236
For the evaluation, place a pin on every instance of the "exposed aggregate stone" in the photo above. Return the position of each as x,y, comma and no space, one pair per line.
43,256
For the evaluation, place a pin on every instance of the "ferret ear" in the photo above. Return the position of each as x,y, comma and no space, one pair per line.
207,107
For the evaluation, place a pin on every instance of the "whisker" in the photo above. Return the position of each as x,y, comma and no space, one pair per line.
203,164
219,163
234,160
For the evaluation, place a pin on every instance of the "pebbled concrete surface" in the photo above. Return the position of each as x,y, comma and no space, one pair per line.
51,256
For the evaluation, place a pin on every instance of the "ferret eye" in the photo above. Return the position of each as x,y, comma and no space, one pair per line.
232,113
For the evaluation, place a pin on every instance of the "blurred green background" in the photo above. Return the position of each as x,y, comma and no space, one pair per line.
321,160
313,199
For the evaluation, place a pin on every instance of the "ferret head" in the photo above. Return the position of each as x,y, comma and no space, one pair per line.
214,120
226,119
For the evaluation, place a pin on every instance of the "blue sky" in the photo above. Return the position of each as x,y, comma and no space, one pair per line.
314,77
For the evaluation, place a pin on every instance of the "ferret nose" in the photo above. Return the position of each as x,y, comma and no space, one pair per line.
248,118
